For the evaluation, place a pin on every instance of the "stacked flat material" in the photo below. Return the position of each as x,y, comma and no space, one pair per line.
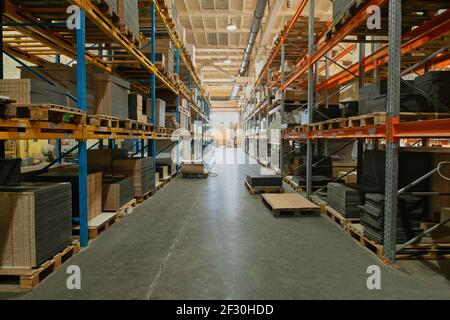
265,181
135,108
317,181
102,159
167,161
339,8
94,188
10,171
141,170
129,16
111,96
117,191
163,171
350,109
412,165
192,168
409,213
163,48
65,77
35,223
33,91
436,84
373,98
344,199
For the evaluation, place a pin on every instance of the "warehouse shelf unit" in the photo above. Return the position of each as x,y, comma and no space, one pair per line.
32,31
424,40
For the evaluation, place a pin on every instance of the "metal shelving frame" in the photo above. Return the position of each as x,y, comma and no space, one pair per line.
433,29
53,38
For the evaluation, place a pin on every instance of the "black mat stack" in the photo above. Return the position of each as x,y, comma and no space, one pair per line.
265,181
410,210
10,171
344,199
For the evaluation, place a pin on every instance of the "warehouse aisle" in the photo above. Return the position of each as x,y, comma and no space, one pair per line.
210,239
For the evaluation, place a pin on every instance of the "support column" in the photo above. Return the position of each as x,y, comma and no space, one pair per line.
2,142
82,150
283,78
153,84
392,147
310,97
177,102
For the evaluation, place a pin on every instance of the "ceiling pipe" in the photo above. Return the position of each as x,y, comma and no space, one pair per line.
257,19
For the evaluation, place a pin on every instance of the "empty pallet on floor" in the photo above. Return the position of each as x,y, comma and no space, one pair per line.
290,204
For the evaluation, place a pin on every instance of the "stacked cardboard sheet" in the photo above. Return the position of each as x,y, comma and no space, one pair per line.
32,91
117,191
140,169
35,223
265,181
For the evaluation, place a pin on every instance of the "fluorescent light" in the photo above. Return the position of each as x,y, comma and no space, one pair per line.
228,61
231,26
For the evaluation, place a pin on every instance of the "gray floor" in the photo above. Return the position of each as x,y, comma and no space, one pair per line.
210,239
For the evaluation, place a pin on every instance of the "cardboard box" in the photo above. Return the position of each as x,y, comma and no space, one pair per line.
350,178
192,168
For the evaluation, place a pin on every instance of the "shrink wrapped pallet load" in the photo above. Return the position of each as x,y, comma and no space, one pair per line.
35,224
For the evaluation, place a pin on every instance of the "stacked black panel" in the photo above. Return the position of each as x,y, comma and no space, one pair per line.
265,181
52,226
410,210
10,171
373,98
435,84
344,199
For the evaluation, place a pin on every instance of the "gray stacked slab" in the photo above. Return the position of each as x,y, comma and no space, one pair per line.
265,181
344,199
10,171
410,210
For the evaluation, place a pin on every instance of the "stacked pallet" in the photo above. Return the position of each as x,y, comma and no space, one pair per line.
410,210
35,223
344,199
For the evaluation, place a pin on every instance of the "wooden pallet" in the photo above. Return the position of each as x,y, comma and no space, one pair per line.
373,119
339,218
322,204
106,8
298,209
13,279
260,190
49,112
98,224
356,231
160,185
146,195
194,175
425,251
125,209
292,184
329,124
103,121
134,125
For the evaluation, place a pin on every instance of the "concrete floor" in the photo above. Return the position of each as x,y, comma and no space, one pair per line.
210,239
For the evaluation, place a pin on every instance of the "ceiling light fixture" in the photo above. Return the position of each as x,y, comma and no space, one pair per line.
228,61
231,26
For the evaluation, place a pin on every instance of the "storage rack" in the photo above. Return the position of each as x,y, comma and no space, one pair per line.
34,29
431,38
